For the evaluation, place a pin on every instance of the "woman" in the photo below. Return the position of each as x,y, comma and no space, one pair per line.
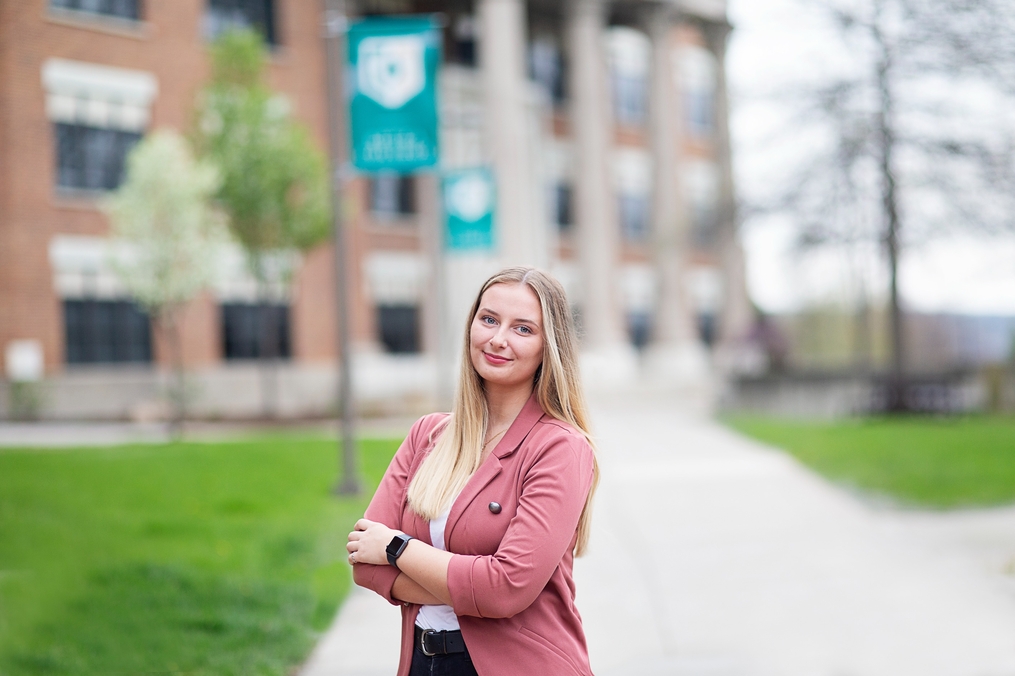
475,525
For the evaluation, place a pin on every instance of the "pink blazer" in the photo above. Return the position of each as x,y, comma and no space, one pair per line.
511,577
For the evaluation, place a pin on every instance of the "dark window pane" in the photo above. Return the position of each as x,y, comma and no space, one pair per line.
639,328
255,331
630,97
699,113
704,228
399,327
392,195
562,212
106,331
258,15
123,9
126,8
546,68
103,333
634,217
707,329
91,158
463,40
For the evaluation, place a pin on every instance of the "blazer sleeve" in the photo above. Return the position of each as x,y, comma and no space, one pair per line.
386,506
553,493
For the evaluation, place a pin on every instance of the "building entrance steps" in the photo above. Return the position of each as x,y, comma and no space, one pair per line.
714,555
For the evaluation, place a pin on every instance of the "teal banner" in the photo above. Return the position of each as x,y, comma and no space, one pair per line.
469,202
393,65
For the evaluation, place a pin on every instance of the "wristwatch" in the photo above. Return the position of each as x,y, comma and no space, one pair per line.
396,547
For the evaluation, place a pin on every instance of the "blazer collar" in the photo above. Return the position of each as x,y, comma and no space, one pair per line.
491,467
523,423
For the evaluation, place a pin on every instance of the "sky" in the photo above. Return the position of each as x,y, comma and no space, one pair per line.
775,41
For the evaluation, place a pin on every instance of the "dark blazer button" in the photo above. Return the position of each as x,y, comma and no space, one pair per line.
495,507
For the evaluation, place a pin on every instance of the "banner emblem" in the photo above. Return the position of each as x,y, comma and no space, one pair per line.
470,197
390,70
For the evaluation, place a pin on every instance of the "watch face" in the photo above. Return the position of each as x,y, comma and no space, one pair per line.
396,543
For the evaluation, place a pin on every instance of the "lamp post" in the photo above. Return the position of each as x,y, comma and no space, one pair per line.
335,24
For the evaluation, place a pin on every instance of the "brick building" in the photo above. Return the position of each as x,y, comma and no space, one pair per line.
605,125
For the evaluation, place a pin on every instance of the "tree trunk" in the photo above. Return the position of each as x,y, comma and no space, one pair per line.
862,357
268,352
896,399
169,321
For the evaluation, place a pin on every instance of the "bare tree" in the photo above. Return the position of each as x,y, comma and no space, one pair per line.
913,137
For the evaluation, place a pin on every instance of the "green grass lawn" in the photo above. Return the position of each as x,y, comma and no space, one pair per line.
197,559
941,463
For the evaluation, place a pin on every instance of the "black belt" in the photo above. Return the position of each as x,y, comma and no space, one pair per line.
433,642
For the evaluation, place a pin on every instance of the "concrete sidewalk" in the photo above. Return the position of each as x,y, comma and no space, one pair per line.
715,556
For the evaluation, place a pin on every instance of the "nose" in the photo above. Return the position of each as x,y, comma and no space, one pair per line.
500,338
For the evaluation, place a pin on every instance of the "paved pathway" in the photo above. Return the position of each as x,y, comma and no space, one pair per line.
715,556
63,434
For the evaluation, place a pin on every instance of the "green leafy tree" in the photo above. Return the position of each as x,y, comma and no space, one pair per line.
166,237
274,179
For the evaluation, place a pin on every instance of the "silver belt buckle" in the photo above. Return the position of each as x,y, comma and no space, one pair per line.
422,641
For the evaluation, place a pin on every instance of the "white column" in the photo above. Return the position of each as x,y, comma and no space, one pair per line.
676,355
736,316
608,355
502,61
438,338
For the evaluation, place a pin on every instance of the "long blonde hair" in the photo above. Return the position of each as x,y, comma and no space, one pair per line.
458,449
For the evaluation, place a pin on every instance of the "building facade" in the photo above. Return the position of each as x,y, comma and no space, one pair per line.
604,124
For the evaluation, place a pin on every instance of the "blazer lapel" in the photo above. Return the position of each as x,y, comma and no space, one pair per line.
491,467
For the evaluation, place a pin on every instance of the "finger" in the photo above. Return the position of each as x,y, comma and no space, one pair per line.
352,558
363,524
355,535
352,547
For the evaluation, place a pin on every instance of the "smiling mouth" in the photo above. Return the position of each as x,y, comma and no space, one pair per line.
494,359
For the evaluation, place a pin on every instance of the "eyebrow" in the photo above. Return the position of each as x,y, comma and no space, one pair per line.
523,321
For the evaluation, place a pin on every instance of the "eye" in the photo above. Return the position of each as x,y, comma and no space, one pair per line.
487,319
524,329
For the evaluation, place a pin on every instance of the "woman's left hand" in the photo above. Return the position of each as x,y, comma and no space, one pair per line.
369,541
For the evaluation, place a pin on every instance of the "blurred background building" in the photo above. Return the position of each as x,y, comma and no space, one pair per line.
605,125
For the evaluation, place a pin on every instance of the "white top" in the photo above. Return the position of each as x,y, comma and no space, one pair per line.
438,617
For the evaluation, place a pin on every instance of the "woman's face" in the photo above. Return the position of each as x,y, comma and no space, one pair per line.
506,336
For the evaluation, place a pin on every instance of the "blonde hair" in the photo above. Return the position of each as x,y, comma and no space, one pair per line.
458,449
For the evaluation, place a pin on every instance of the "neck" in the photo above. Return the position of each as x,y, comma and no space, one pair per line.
504,404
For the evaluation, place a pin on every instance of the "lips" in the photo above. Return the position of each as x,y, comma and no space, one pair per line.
494,359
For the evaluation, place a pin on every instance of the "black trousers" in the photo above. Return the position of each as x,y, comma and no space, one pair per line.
459,664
